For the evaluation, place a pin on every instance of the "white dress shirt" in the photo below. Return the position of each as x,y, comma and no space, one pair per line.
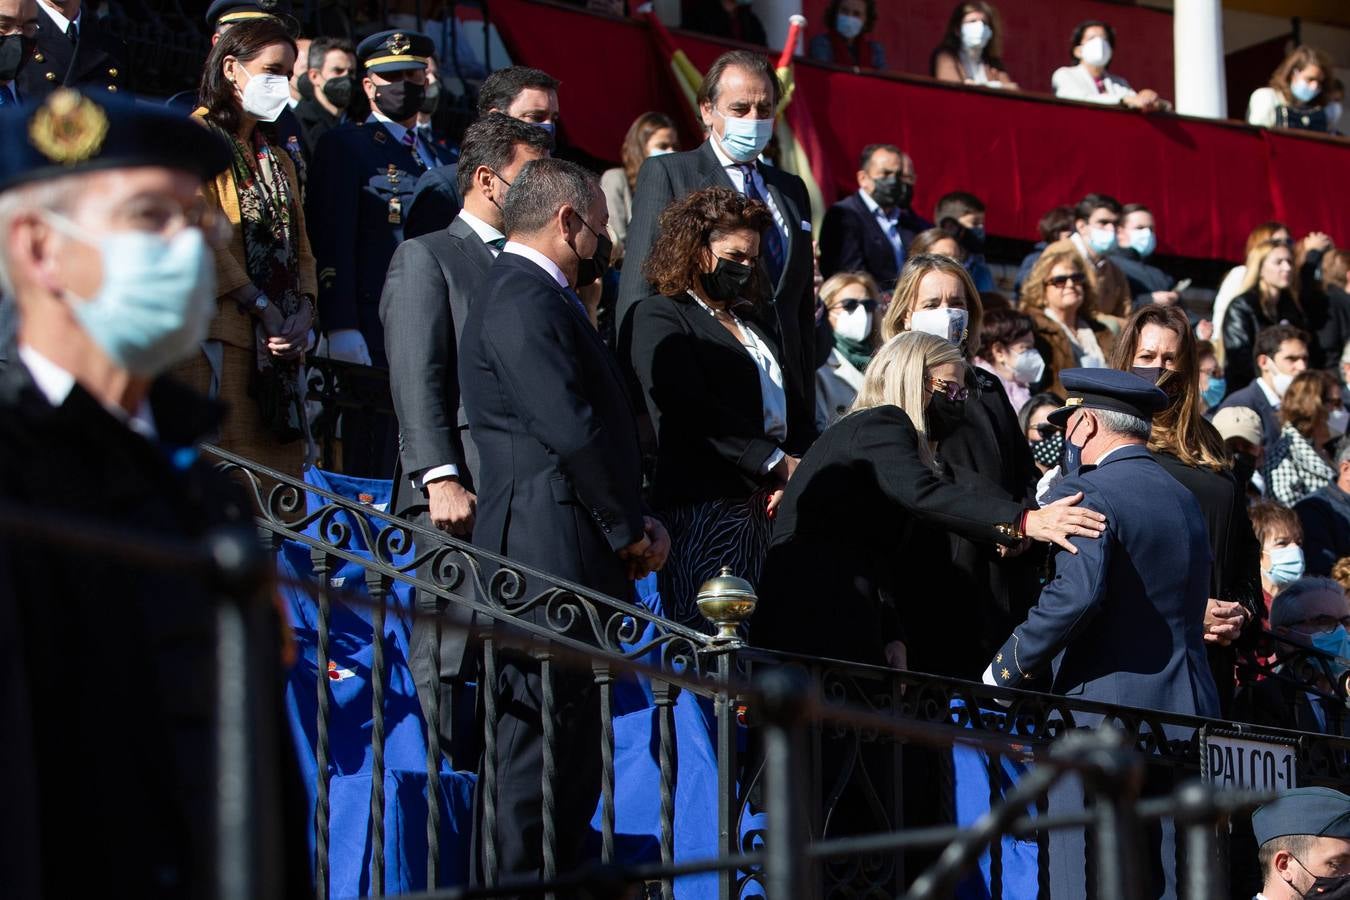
736,172
61,21
397,131
890,226
487,234
1272,398
55,383
1077,83
539,260
772,395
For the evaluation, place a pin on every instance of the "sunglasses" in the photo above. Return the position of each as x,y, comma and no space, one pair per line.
954,390
850,305
1045,429
1059,281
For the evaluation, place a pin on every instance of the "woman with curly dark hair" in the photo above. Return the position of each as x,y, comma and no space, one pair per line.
712,379
265,281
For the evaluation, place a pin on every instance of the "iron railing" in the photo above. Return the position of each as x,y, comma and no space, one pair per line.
853,732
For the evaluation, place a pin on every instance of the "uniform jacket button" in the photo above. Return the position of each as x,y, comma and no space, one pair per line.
38,57
112,73
51,76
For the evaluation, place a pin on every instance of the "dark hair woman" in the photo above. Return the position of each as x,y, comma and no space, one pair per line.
847,23
971,51
651,134
711,377
1297,93
1157,343
265,283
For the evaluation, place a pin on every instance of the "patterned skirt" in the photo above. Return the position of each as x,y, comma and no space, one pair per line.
705,537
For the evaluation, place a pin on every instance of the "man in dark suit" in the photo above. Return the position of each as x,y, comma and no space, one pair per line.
331,75
18,31
560,483
431,283
737,100
1281,353
1122,620
530,95
869,231
72,49
362,182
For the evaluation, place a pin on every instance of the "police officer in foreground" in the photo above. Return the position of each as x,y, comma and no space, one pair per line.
107,666
1122,620
1304,838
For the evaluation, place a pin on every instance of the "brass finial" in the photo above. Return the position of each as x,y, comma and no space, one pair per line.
726,601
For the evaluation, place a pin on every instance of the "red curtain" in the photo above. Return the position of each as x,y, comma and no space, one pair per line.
1209,183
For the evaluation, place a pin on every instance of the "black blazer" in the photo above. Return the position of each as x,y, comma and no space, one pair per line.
851,240
426,298
859,494
98,61
561,475
663,179
702,391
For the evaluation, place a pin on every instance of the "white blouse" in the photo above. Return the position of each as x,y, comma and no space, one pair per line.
772,394
1077,83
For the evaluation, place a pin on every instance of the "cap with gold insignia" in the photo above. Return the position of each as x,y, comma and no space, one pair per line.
395,51
71,132
1108,389
232,12
1315,811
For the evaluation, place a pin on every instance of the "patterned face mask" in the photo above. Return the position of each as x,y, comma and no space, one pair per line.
1048,450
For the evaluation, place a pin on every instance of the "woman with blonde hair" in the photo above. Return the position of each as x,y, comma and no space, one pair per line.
1232,282
1298,463
1271,295
862,494
851,300
1059,296
651,134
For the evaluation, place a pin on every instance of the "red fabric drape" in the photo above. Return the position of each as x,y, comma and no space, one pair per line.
1208,182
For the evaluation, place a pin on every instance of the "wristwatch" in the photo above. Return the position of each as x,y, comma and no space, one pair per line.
260,304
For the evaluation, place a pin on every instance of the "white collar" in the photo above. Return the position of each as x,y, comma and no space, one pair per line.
59,18
875,207
539,260
484,231
393,127
1271,397
726,161
55,383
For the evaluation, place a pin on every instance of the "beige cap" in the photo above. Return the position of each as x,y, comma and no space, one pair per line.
1239,422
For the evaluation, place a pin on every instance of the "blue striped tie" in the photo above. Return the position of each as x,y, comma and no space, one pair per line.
772,250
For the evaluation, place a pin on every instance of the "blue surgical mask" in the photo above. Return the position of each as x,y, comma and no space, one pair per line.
848,27
1073,458
745,139
1302,91
550,127
1214,391
1334,642
1286,565
1101,240
157,298
1143,241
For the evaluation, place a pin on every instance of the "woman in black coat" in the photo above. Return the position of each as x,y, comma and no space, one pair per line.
985,593
837,582
708,366
1270,297
1157,343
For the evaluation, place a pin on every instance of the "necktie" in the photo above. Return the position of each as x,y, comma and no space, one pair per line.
576,301
772,250
410,141
73,33
497,243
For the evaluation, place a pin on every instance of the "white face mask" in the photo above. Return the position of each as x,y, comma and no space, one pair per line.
1337,419
265,96
1281,382
976,35
1096,51
855,326
1028,367
948,324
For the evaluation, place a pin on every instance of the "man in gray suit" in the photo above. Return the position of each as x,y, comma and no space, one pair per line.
738,100
426,297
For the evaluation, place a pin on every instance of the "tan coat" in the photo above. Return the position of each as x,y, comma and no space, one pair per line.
1057,350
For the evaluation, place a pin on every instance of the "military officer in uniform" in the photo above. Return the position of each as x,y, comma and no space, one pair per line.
108,664
361,184
1121,621
1304,836
71,49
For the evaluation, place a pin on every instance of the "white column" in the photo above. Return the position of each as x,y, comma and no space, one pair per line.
775,15
1197,47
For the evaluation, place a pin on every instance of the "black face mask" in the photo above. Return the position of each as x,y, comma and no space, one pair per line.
1330,888
400,100
304,87
15,49
339,89
592,268
432,98
1244,467
886,192
1048,451
944,416
905,196
725,283
1169,382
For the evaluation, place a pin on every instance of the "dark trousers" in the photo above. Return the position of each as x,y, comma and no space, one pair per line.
519,835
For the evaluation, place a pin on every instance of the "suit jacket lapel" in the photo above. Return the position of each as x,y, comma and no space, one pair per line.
710,167
875,234
470,244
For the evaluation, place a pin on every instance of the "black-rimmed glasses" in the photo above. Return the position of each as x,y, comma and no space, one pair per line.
1059,281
